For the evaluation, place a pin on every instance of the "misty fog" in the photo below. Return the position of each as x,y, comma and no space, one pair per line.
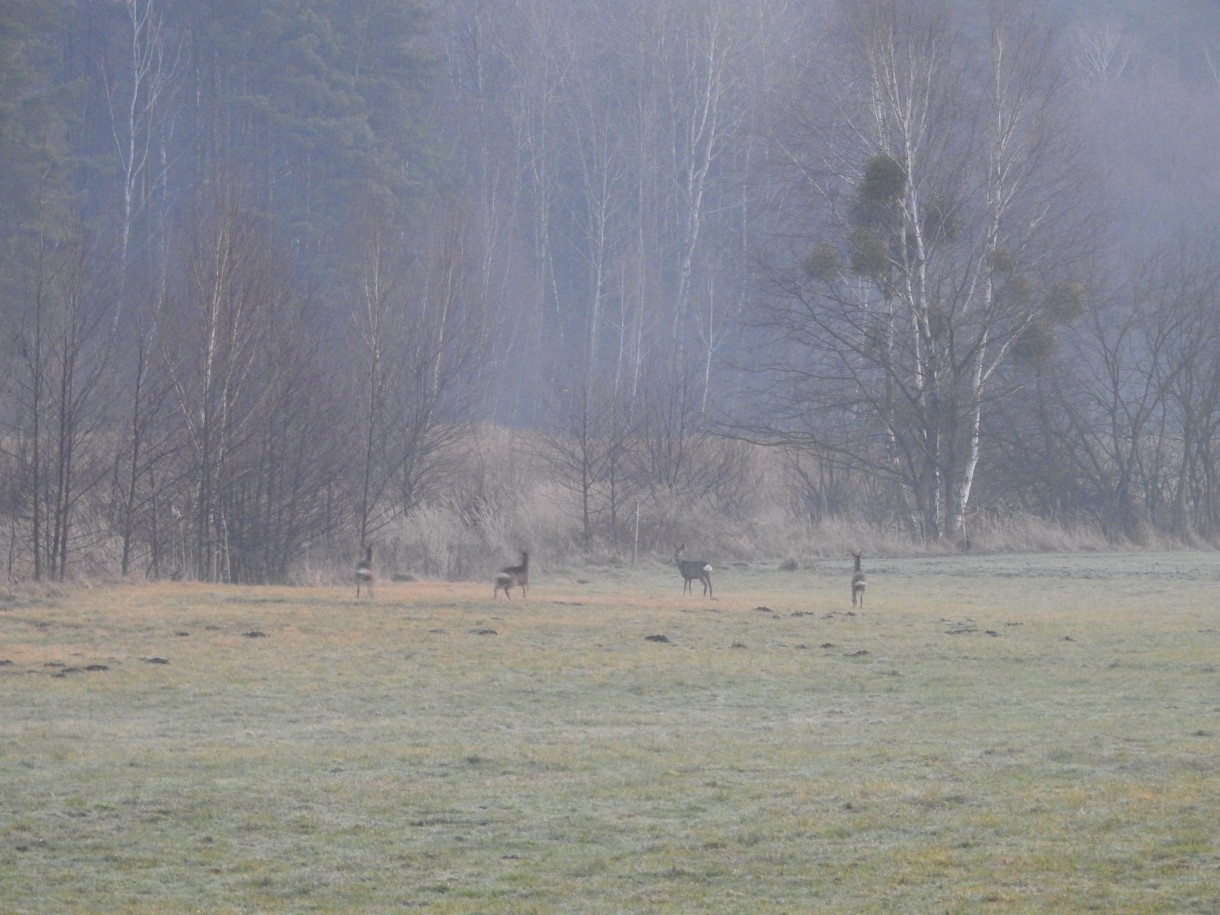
460,279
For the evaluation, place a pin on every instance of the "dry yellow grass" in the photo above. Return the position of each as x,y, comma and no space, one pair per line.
1001,734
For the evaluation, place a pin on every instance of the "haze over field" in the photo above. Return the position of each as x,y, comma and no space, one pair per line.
998,734
457,279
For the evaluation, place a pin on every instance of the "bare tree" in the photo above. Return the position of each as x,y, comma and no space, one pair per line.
1182,289
139,93
1093,440
1101,51
293,457
698,73
214,355
424,342
587,445
613,163
443,364
373,316
676,456
948,252
477,106
139,80
64,355
151,438
540,62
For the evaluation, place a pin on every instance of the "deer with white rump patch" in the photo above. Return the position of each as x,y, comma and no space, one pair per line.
694,569
511,576
857,581
364,572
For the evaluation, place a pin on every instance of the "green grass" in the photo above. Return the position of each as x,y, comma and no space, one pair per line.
990,734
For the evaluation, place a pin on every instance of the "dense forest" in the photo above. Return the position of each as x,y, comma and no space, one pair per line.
280,280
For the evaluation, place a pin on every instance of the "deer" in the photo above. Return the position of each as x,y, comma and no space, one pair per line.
364,572
510,576
692,569
857,581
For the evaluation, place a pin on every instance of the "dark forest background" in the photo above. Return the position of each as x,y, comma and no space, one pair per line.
281,279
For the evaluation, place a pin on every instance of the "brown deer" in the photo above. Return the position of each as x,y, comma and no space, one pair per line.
692,569
511,576
857,581
364,572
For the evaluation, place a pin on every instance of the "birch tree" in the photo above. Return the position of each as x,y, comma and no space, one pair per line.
140,82
422,342
139,90
214,362
64,352
943,245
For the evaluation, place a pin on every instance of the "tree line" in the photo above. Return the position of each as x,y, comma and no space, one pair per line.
269,274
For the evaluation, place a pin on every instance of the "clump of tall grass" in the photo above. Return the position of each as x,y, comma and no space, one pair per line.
1019,532
450,540
505,497
779,534
455,541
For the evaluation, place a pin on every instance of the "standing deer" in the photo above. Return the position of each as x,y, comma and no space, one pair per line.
692,569
857,581
513,575
364,572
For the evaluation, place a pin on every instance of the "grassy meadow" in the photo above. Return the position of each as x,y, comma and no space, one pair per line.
989,734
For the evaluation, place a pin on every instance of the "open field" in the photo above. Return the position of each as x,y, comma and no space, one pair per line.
990,734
